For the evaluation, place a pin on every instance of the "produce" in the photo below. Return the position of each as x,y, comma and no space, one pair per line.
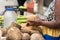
21,19
30,29
13,24
36,36
4,31
0,34
31,17
26,36
34,19
14,34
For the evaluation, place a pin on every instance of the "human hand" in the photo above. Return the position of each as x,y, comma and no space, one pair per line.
34,20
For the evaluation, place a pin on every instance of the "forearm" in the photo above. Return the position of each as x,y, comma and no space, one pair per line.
50,24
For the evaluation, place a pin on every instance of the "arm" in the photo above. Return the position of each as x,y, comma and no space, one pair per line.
50,24
56,23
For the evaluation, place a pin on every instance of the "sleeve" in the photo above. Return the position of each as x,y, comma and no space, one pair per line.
50,9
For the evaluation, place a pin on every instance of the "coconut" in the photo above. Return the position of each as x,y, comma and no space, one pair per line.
33,20
13,24
37,36
26,36
31,17
14,33
4,31
30,29
0,34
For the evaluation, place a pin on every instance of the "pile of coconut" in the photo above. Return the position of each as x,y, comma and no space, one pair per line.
21,32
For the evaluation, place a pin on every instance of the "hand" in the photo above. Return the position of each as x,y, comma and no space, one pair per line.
35,22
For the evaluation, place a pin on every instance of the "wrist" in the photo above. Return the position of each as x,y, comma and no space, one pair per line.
40,22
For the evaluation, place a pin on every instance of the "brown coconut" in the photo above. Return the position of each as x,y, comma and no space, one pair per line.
13,24
37,36
4,31
26,36
30,29
0,33
33,18
14,33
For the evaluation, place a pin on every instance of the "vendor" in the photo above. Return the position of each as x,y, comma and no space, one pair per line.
52,24
21,3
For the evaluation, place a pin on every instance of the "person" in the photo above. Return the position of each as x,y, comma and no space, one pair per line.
52,24
21,3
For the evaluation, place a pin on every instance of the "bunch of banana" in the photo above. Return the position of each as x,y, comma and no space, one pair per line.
21,19
1,20
22,7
